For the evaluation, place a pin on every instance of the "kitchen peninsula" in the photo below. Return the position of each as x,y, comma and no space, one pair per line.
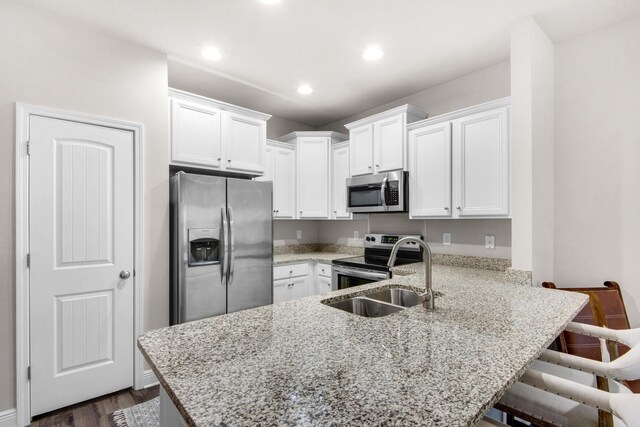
303,362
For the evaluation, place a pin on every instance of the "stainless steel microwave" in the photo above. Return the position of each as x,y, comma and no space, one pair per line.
382,192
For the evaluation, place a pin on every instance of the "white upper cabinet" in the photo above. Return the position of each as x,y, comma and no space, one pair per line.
313,177
244,142
459,164
340,173
430,171
215,135
361,142
389,143
378,143
483,163
284,182
280,169
195,134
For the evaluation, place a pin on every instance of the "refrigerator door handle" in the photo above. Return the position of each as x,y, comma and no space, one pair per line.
225,246
232,248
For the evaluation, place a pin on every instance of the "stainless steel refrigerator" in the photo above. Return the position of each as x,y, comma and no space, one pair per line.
221,246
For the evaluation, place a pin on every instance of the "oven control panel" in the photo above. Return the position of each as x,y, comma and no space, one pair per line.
386,241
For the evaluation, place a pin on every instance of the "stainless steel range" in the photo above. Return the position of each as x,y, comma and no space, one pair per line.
372,267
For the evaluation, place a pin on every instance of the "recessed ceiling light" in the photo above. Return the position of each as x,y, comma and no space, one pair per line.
305,89
372,53
270,1
212,54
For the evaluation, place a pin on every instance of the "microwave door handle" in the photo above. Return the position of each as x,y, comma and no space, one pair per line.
225,247
383,188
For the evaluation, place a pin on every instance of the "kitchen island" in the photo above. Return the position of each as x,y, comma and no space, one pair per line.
303,362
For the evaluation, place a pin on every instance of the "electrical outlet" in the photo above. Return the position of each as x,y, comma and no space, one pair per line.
490,241
356,234
299,234
446,239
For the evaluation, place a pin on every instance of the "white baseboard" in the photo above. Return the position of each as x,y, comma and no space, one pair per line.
8,418
149,380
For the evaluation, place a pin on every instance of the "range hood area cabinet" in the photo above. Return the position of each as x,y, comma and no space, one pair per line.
378,143
215,135
459,164
280,169
314,172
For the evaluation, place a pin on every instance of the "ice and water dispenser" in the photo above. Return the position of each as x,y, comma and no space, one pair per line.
204,246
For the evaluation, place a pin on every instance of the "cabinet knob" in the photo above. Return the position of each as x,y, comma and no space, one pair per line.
290,271
300,211
219,158
229,161
458,208
377,166
278,211
369,167
446,208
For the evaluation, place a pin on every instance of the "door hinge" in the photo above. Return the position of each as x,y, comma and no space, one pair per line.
29,372
28,148
28,260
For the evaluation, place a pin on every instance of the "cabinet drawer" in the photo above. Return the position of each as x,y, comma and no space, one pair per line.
290,270
324,270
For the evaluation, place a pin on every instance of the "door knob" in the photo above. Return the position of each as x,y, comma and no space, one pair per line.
124,274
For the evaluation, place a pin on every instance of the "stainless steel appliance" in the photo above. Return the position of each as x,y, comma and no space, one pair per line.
221,246
382,192
372,267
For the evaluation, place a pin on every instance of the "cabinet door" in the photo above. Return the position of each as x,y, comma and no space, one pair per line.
281,290
323,285
483,163
340,173
430,171
361,145
313,177
269,164
284,183
299,287
244,143
389,144
195,134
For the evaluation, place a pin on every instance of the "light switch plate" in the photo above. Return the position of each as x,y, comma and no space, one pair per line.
446,239
299,234
490,241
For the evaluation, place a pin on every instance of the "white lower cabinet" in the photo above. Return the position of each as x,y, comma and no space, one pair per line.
291,281
459,164
288,289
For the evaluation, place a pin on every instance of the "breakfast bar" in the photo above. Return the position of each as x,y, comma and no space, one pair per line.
304,362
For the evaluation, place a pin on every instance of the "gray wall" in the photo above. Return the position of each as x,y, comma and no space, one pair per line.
597,172
56,63
475,88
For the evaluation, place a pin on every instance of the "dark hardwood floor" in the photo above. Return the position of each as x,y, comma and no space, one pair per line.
95,413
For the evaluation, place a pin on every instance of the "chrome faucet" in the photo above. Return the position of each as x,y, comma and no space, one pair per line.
429,301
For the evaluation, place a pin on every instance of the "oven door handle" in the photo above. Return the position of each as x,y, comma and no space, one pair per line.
361,274
383,191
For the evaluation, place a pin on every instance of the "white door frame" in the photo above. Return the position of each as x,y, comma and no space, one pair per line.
23,113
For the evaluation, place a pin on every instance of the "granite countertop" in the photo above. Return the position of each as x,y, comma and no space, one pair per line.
308,256
302,362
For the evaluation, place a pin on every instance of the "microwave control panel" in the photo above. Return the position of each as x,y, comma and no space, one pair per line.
392,194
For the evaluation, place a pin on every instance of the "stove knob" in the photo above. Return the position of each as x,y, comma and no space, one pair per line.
368,239
373,239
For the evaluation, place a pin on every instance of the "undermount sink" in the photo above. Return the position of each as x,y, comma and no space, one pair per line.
401,297
379,303
366,307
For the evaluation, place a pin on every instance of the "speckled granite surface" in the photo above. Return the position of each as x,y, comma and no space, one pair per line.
308,256
302,362
519,277
484,263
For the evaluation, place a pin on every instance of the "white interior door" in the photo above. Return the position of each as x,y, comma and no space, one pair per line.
81,245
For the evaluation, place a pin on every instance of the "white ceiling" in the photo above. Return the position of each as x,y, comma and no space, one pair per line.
268,50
